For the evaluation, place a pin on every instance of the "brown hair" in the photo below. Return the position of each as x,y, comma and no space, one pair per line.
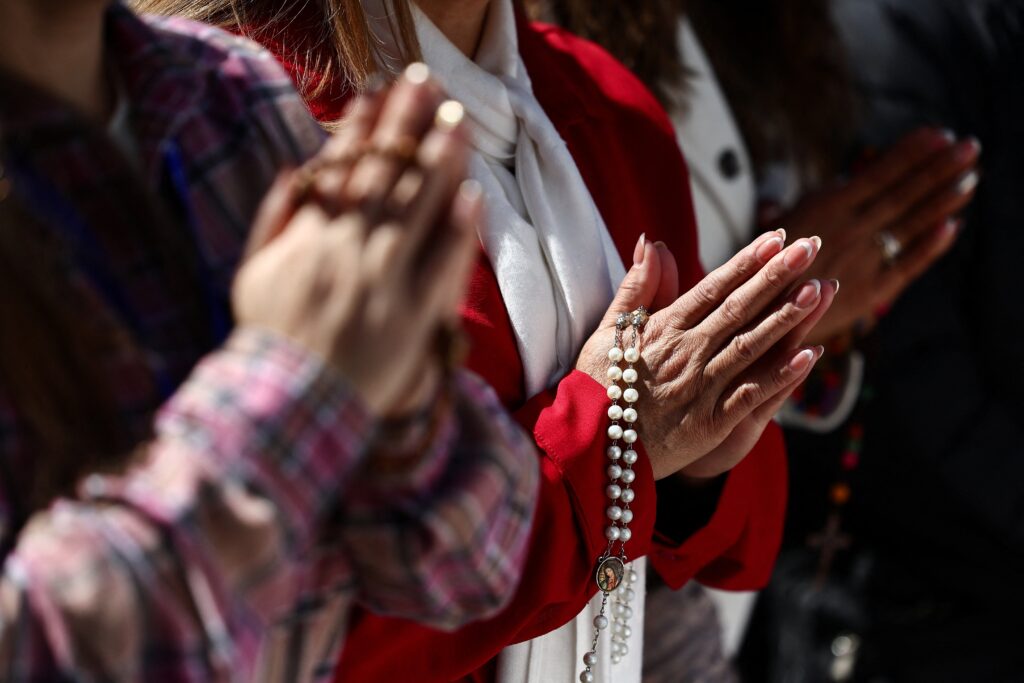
779,63
339,44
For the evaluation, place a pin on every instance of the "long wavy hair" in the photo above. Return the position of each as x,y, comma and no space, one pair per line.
779,62
338,45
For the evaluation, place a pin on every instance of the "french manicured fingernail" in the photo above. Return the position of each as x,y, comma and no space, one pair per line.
417,73
835,285
967,182
638,251
808,294
801,360
817,242
769,248
782,233
799,253
449,115
948,135
819,350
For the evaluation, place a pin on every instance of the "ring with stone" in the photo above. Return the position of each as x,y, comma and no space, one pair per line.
890,246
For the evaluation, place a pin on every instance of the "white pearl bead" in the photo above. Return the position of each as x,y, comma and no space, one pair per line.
616,659
586,677
614,513
614,392
615,432
601,622
617,627
628,476
631,395
627,516
616,649
629,376
624,649
613,491
628,594
615,412
612,533
632,576
626,632
614,471
614,452
615,354
626,611
629,414
615,373
625,534
629,457
629,436
590,659
628,495
631,355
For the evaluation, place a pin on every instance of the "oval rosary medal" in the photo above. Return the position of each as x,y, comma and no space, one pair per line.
609,574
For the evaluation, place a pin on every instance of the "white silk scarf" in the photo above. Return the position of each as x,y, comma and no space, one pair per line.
556,266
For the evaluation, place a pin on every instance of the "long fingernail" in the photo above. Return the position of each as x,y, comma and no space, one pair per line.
948,135
638,251
800,361
449,115
835,285
799,254
417,73
769,248
807,294
817,242
967,182
782,233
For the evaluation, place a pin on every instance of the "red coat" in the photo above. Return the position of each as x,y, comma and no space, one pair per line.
626,150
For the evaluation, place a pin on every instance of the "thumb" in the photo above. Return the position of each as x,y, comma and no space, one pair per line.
640,284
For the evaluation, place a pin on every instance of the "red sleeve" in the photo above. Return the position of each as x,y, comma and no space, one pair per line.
626,151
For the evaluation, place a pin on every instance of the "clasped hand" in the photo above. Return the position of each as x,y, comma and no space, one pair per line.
367,261
719,361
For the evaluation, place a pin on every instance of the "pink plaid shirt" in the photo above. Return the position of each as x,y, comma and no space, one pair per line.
268,502
233,551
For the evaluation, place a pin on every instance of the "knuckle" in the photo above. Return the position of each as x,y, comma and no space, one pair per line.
733,311
773,277
744,349
706,292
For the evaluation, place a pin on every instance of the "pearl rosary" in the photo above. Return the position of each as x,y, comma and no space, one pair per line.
615,576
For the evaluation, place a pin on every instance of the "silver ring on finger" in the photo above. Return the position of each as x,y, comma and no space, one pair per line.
891,247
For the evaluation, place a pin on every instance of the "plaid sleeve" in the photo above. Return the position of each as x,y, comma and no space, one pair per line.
187,555
444,540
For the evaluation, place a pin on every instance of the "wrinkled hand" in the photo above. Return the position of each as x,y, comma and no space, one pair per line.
365,274
913,192
717,362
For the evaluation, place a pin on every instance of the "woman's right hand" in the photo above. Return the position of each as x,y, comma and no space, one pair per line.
366,274
718,361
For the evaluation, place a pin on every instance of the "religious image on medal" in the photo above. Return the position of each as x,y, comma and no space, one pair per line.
609,574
